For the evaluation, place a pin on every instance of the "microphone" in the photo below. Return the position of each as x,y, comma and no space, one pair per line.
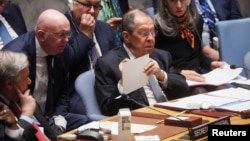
143,105
183,122
235,67
244,86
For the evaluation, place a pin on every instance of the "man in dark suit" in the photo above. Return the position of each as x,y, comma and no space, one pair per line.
12,18
14,92
222,10
138,35
88,30
50,88
226,9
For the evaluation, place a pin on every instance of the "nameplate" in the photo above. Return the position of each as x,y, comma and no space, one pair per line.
202,130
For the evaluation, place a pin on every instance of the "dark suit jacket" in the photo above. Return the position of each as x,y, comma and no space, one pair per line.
107,76
124,6
50,129
14,17
59,101
104,36
226,9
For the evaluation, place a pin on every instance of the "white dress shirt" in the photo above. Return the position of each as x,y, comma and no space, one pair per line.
147,88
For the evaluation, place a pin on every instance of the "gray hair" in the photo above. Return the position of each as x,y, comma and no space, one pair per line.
128,19
166,22
11,63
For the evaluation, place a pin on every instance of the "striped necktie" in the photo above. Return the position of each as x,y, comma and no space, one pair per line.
158,93
5,36
94,55
209,16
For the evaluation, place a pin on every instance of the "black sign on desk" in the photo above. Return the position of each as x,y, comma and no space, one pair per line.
202,130
232,132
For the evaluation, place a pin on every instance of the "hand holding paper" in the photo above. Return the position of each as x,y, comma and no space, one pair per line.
133,75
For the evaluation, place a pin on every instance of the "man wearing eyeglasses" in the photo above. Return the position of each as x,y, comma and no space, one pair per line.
138,33
12,23
95,36
50,56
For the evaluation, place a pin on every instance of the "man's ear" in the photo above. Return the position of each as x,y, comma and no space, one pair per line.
125,36
40,34
9,84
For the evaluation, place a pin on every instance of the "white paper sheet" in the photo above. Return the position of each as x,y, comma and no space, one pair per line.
237,93
218,76
133,74
135,128
198,101
237,107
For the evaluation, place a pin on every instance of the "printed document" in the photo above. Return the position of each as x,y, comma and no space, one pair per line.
218,76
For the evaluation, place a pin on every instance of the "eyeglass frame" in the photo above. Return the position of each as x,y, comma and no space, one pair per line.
145,34
60,35
89,5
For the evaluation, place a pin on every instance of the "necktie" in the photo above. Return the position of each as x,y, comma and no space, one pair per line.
159,95
94,55
39,134
208,14
6,38
50,86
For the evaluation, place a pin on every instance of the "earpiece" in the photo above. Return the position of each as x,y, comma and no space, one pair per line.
188,2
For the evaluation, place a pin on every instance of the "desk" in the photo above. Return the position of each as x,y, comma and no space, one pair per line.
235,120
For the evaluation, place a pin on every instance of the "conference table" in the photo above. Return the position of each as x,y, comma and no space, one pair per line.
152,115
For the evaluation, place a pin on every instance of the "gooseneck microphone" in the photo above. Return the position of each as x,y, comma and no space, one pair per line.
245,86
235,67
143,105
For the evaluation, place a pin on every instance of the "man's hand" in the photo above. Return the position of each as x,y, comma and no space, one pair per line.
120,68
87,25
115,22
7,116
28,103
152,68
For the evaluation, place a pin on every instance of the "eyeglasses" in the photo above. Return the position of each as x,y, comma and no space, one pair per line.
89,5
146,33
60,35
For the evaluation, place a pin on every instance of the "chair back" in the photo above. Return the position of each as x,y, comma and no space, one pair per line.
247,64
84,86
234,41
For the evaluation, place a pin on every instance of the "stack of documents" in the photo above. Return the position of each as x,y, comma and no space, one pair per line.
232,99
218,76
